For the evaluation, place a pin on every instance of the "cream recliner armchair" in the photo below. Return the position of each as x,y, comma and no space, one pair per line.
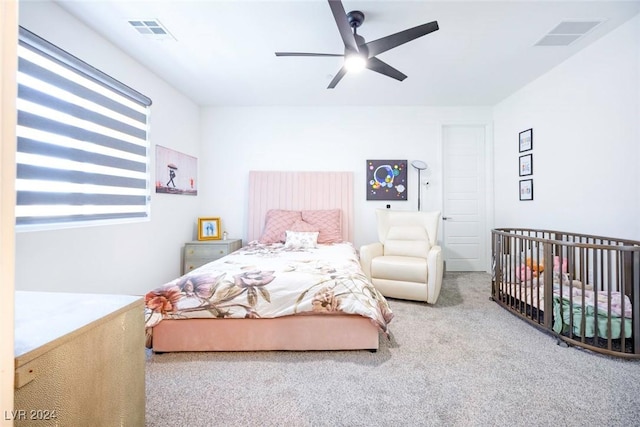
407,262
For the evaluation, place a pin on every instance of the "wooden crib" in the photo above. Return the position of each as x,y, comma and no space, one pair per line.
583,289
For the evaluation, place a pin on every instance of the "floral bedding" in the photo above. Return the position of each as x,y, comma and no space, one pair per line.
267,281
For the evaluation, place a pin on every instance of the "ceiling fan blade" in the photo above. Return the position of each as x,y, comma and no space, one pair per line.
340,17
339,75
389,42
306,54
374,64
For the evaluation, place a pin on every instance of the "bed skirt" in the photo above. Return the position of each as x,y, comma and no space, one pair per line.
298,333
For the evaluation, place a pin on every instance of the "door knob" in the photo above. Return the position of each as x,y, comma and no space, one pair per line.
444,218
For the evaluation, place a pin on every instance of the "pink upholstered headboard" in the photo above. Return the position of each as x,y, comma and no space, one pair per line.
299,191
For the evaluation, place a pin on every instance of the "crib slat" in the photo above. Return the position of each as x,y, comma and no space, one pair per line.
635,302
622,277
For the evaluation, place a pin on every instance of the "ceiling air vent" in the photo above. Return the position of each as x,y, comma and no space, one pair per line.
567,32
151,28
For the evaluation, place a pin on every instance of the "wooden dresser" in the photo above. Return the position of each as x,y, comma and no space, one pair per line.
198,253
79,360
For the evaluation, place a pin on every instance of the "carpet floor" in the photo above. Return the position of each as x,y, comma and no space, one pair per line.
462,362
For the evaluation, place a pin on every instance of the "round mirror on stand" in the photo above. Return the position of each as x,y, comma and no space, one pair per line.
420,166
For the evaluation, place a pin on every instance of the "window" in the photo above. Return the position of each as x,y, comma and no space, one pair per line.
82,153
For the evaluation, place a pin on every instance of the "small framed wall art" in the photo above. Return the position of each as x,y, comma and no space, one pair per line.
526,165
386,179
526,140
526,189
209,229
176,172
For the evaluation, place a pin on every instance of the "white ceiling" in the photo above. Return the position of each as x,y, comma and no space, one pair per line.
224,50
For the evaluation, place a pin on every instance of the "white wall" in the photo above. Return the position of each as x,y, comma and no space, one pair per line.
130,258
237,140
585,116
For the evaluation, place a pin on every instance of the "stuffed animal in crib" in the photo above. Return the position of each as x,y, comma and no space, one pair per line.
536,269
556,265
524,273
558,272
529,272
561,271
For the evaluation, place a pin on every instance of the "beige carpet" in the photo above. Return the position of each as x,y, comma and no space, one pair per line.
463,362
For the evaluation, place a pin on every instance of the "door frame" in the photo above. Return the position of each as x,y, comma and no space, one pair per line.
8,96
488,184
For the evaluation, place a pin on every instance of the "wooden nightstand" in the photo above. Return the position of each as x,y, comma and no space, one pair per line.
199,253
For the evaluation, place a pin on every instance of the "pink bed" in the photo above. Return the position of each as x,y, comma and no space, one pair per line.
343,310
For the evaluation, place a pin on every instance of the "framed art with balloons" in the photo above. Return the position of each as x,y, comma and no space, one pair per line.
386,180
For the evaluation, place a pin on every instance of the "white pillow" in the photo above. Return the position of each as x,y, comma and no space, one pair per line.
301,239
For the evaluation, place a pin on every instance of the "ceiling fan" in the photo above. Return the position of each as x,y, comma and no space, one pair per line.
359,54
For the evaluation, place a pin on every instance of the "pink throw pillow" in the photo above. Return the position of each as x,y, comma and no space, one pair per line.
278,221
303,226
328,223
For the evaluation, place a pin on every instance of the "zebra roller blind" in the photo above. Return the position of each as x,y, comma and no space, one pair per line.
82,146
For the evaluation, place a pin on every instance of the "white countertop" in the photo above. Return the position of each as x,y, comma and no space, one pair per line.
43,317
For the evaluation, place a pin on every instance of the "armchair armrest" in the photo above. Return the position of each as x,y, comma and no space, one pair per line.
435,268
368,253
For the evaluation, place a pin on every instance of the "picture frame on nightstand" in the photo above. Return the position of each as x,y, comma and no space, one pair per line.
209,228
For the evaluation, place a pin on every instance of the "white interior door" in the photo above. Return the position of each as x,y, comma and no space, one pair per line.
463,217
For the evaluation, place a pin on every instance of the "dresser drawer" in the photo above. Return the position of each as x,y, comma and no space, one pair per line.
198,253
210,252
191,264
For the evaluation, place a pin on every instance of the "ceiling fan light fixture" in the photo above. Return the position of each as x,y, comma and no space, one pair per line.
355,63
359,54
